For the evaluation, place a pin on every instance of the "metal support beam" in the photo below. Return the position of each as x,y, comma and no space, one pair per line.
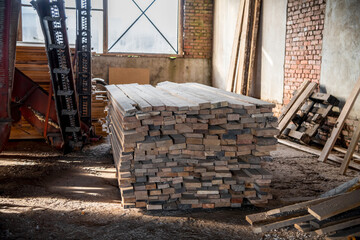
9,15
52,21
83,57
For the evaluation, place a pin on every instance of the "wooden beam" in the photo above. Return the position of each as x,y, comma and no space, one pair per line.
340,122
235,49
342,188
105,26
354,142
299,91
338,226
242,48
284,223
343,150
296,106
315,151
255,30
336,205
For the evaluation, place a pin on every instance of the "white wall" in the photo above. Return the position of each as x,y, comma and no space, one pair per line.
225,17
270,62
340,67
271,50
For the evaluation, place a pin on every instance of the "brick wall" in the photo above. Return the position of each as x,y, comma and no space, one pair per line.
304,33
198,28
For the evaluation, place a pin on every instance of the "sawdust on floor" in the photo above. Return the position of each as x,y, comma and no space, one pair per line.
47,195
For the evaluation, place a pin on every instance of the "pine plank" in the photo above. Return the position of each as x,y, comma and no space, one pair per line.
353,144
340,122
317,152
254,34
132,94
121,100
296,106
235,48
243,48
338,226
239,97
336,205
284,223
298,93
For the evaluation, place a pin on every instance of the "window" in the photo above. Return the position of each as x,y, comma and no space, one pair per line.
117,26
32,33
143,26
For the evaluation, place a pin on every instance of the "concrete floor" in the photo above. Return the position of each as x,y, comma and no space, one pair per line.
45,195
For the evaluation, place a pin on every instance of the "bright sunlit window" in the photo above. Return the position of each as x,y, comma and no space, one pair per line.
31,30
132,26
143,26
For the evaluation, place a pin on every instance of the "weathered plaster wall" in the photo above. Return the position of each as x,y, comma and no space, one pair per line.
271,51
161,68
341,50
270,63
225,17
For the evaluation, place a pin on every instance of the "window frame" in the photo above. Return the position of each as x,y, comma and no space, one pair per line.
105,34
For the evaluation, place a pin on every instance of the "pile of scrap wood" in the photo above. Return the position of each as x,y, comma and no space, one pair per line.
306,119
98,104
309,117
189,146
333,214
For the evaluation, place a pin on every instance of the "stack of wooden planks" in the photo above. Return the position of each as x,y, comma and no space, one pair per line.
99,103
336,216
189,146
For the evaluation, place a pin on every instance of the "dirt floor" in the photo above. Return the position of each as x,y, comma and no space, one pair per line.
45,195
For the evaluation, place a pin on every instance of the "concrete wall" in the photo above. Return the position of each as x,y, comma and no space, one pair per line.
225,16
271,50
161,68
270,64
341,50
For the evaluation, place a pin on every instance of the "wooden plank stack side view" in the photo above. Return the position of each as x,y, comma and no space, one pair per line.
180,146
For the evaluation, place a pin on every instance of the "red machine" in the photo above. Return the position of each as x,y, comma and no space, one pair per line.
63,114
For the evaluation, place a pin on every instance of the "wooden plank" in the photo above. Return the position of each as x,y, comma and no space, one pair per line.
353,144
146,94
243,47
296,106
342,188
284,223
336,205
233,103
215,101
339,226
343,150
343,217
132,94
303,227
298,93
340,122
235,49
255,30
249,100
129,75
272,214
174,103
127,105
345,234
179,93
317,152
